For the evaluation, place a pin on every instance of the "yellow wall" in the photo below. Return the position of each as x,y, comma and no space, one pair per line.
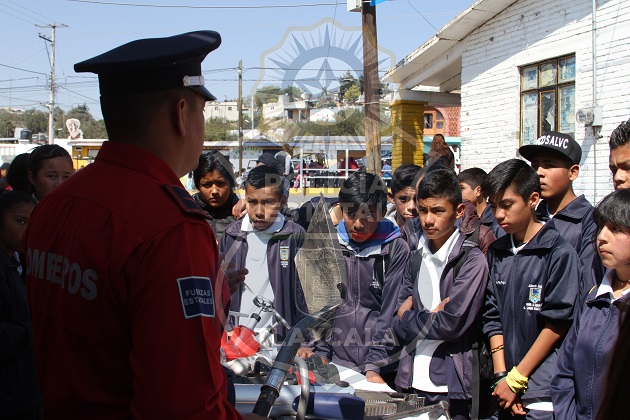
407,132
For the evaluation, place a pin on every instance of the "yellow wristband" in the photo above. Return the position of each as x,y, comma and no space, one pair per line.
516,382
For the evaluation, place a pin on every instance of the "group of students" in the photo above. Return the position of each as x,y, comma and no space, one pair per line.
547,294
421,292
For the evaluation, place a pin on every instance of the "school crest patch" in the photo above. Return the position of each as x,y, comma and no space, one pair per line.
284,256
535,298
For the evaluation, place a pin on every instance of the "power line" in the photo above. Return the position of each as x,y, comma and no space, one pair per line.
28,71
178,6
78,94
422,15
15,16
21,12
32,11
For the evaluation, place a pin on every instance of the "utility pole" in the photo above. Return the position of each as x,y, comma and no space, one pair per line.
371,89
240,116
53,87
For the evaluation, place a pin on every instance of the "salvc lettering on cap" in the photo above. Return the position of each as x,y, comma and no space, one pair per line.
553,141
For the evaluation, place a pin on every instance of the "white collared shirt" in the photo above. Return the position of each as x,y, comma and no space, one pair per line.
606,286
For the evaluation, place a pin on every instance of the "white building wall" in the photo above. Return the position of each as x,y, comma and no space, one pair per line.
227,110
528,32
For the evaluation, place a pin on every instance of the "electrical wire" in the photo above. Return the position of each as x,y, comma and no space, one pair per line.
174,6
17,17
28,71
21,12
422,15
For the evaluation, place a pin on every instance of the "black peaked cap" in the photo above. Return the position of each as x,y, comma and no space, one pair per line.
154,64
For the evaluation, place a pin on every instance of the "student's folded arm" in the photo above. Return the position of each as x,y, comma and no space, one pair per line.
461,311
563,378
383,336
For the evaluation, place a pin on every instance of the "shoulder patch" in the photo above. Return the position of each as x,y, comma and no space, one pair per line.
184,200
197,296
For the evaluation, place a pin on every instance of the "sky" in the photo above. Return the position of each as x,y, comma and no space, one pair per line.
302,45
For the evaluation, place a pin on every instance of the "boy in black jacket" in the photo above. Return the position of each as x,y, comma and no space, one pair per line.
556,158
531,295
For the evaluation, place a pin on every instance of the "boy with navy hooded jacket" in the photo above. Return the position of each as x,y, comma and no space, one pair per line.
376,260
556,158
265,243
438,312
531,295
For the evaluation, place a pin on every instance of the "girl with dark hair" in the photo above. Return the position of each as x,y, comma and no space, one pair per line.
578,381
19,396
214,179
48,166
17,174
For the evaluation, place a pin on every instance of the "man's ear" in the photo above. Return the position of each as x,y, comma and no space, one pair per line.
179,116
574,171
459,211
478,191
283,200
390,197
534,199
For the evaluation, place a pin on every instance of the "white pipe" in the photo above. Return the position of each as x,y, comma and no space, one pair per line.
305,384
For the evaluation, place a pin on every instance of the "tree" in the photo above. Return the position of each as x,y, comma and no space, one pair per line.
265,93
94,129
325,100
81,113
216,129
352,94
346,81
34,120
294,93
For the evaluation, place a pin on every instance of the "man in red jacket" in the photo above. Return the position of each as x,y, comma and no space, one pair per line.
127,305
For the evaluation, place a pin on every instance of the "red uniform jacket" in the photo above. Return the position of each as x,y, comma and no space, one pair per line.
127,310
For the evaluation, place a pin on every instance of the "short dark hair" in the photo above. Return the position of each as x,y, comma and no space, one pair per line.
620,135
473,177
43,153
131,114
209,162
440,183
614,209
404,176
364,188
265,176
514,173
10,200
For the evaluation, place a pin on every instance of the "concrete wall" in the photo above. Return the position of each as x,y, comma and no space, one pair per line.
528,32
227,111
